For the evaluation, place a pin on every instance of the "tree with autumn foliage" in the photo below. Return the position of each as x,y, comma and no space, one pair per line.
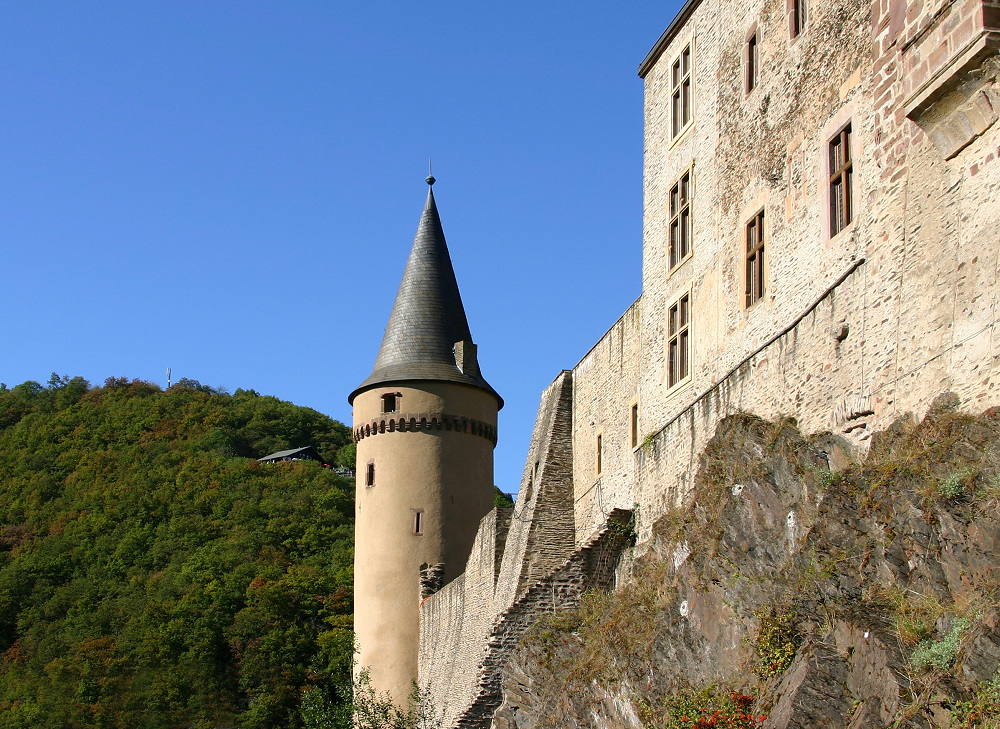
153,573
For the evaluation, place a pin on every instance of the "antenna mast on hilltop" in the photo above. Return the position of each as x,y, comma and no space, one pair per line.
168,378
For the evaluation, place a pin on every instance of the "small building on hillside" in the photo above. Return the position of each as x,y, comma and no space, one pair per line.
294,454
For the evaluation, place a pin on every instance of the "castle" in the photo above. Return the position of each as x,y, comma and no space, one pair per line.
820,241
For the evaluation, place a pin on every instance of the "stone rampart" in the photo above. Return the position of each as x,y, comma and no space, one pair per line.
514,549
606,389
456,621
591,567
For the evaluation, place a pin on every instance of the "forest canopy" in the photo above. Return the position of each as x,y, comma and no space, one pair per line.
153,573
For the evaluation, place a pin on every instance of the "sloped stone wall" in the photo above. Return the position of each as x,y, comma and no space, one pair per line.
514,549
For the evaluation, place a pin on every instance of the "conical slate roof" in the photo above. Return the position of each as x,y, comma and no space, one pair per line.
428,318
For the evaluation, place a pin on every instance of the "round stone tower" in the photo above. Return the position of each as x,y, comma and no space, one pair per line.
425,425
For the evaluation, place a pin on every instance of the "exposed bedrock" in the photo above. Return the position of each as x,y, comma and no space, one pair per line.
795,588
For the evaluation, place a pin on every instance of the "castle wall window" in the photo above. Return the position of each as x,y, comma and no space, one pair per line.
634,424
752,62
755,259
680,92
796,17
389,402
370,474
680,220
841,181
418,522
679,340
600,452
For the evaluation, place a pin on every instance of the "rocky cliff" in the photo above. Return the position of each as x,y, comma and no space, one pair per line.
795,588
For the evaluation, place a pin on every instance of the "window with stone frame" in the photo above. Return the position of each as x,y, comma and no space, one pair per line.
679,340
370,474
680,92
755,259
680,220
796,17
389,402
418,522
841,181
752,62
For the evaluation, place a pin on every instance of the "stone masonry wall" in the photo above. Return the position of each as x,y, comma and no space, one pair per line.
514,549
456,621
591,567
854,329
605,386
542,529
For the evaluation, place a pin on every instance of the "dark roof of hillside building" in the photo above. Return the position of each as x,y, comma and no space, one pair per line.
292,453
428,318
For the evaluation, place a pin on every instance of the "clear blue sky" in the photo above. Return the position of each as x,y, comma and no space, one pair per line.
230,189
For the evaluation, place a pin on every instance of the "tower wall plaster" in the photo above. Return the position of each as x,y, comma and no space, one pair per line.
444,474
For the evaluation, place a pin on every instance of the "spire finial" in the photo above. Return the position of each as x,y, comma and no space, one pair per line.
430,175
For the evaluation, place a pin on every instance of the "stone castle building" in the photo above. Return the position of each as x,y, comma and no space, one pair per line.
821,217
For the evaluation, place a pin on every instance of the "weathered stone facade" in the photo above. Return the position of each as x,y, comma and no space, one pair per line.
859,317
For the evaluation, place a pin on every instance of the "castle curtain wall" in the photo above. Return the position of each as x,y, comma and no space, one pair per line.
855,329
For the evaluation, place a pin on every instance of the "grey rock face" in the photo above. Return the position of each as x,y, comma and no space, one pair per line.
864,597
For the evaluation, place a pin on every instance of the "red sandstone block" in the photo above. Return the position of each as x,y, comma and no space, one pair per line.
950,22
963,34
938,57
881,61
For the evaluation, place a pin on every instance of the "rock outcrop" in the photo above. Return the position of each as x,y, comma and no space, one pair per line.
795,588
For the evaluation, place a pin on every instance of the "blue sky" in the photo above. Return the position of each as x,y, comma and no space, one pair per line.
230,189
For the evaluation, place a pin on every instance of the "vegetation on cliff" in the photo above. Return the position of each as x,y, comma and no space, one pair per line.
153,573
795,588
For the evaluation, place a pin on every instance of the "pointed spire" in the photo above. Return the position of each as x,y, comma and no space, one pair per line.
427,337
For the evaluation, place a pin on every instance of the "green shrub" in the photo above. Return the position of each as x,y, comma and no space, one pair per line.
954,485
940,654
777,641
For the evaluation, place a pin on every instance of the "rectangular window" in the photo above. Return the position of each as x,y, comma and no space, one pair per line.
600,453
389,402
370,474
755,259
680,220
841,181
752,62
796,17
679,340
680,92
418,522
634,425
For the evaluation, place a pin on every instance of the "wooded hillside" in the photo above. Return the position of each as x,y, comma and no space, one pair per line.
153,573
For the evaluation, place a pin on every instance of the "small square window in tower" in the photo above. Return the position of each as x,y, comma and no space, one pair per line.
841,181
755,260
752,62
679,340
680,220
680,92
389,402
370,474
